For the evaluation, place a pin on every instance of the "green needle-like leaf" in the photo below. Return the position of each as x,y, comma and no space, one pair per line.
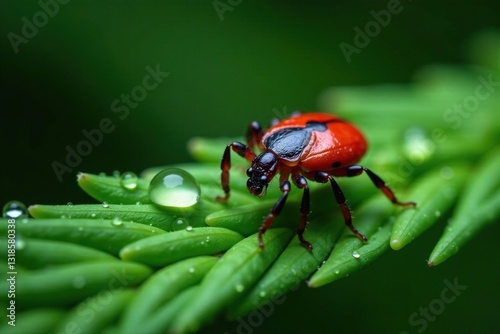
247,219
174,246
96,233
97,312
235,273
350,254
146,214
294,265
74,282
478,206
171,281
434,194
164,317
110,189
36,254
44,320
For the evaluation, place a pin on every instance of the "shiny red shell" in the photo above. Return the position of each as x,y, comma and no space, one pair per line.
338,145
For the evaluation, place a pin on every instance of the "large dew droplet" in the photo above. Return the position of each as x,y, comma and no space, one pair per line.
174,187
128,180
14,210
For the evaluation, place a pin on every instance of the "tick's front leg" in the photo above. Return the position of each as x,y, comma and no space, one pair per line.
225,165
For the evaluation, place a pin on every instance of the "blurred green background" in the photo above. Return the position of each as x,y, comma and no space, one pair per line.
259,62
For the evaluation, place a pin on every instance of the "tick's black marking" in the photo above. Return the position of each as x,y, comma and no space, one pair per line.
336,164
289,143
318,126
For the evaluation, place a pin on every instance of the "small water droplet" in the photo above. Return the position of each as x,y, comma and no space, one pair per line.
138,203
20,242
116,173
191,270
79,282
69,203
174,187
80,228
92,215
117,221
417,145
105,205
14,210
128,180
437,213
102,174
189,228
356,255
337,272
262,294
240,288
25,221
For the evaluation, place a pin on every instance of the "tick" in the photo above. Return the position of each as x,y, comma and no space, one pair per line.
312,146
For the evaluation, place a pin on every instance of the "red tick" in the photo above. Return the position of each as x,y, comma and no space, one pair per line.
312,146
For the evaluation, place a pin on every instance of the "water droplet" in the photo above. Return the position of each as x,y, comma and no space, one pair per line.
79,282
102,174
14,210
80,228
191,270
69,203
128,180
189,228
356,255
240,288
174,187
116,173
138,203
92,215
20,242
117,222
262,294
418,146
437,213
105,205
337,272
25,221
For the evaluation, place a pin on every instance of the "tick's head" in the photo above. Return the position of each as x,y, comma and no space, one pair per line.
262,171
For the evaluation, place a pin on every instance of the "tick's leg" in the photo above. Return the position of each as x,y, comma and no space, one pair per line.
225,165
378,182
254,135
340,198
301,182
275,211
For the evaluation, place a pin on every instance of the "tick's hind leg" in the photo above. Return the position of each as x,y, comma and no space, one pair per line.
301,182
340,198
378,182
